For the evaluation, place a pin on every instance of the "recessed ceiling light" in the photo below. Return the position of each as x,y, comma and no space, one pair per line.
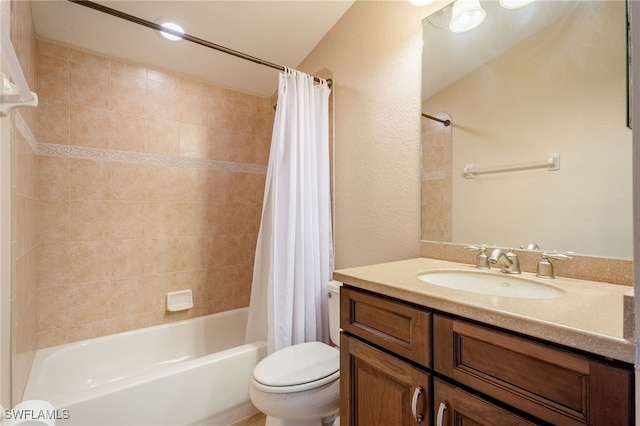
171,26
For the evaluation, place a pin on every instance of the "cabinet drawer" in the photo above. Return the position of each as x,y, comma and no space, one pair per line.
453,406
396,326
554,385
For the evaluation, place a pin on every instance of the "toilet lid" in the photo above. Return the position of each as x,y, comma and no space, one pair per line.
298,364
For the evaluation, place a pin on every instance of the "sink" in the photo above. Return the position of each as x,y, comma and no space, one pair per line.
492,284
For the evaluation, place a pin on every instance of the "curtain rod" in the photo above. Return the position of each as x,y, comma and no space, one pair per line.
445,122
196,40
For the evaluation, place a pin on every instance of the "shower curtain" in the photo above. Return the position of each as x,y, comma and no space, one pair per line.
294,253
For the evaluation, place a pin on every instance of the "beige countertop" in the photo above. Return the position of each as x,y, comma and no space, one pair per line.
588,317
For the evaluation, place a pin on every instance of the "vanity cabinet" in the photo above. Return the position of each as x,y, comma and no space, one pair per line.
404,364
379,386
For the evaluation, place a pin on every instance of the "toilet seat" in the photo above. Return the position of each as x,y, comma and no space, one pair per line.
297,368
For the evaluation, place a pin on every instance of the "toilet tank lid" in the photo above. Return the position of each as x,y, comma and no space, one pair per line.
298,364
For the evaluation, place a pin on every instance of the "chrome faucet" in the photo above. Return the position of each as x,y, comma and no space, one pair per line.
509,262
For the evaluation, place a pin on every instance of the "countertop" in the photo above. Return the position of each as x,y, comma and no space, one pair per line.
588,317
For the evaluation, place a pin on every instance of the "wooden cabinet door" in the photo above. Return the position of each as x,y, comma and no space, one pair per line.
379,389
455,407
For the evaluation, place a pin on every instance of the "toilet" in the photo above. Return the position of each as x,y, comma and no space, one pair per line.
300,385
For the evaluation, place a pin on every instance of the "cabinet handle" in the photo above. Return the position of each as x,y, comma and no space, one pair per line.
441,410
414,404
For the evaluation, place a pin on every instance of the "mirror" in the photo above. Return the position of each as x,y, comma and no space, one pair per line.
548,80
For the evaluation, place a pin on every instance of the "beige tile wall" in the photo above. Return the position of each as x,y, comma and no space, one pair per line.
148,182
23,212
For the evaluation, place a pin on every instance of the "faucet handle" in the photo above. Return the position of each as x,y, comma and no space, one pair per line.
545,267
482,261
557,255
530,246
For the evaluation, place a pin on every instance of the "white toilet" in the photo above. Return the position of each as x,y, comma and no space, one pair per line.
300,385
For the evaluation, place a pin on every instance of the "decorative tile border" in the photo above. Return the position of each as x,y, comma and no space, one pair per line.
57,150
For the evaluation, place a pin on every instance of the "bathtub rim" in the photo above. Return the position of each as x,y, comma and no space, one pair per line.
34,389
166,325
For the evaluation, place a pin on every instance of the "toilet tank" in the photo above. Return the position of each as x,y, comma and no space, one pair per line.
334,311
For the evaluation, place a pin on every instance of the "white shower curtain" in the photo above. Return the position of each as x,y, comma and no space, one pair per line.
294,253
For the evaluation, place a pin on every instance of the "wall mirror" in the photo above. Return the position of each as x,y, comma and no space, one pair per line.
540,82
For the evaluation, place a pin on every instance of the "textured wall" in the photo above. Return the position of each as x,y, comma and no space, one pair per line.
374,52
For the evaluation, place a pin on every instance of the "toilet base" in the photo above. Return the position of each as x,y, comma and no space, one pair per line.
305,408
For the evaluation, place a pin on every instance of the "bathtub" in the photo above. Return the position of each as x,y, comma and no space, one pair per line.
193,372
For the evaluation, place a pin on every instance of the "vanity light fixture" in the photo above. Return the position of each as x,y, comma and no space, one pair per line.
466,15
514,4
171,26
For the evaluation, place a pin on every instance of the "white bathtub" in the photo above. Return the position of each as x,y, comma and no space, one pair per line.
193,372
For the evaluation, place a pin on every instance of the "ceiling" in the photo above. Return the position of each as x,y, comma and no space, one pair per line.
280,32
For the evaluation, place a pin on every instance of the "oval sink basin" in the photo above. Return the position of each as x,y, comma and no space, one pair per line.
491,284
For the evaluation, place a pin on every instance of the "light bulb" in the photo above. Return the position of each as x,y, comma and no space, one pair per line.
172,26
466,15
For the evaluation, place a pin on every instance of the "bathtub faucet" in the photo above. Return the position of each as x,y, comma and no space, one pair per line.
509,262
